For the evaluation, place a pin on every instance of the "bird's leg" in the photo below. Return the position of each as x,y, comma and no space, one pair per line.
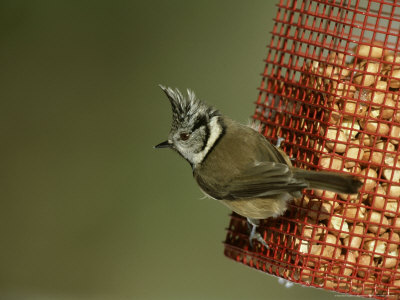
254,235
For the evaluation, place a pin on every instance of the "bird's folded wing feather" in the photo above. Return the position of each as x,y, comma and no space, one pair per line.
263,179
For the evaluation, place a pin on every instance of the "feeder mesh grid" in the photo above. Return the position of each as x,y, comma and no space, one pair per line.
330,89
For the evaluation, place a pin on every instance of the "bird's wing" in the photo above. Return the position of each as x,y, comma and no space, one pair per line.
263,179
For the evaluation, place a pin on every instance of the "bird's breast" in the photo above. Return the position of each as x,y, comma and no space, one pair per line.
259,208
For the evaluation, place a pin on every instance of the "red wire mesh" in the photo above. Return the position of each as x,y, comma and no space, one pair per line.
330,89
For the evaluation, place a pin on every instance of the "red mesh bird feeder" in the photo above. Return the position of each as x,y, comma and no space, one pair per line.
331,90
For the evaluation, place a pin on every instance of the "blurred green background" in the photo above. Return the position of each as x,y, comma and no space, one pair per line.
89,210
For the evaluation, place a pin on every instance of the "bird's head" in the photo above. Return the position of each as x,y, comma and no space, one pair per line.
194,126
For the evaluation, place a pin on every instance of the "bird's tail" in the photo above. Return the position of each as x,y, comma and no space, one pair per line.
329,181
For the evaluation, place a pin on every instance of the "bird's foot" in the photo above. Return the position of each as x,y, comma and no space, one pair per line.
279,142
254,235
286,283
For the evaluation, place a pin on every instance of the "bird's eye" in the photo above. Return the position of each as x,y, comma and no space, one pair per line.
184,136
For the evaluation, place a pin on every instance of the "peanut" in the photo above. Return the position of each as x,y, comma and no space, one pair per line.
375,127
377,157
368,73
338,145
381,202
368,140
347,268
332,163
326,194
394,78
334,116
396,224
354,239
391,58
338,226
312,232
352,213
394,133
352,107
319,210
350,128
365,260
366,51
392,190
392,171
370,179
355,152
389,261
378,96
394,240
377,247
377,217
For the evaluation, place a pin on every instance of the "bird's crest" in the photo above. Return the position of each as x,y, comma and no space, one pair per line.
187,108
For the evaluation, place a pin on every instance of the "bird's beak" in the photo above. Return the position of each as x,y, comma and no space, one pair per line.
166,144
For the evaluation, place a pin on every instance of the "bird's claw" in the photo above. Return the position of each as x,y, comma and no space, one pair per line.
259,238
254,235
285,282
279,142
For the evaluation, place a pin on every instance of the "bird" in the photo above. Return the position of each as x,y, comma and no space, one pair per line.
237,166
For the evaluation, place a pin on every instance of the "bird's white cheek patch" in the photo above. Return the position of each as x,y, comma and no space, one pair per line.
215,132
